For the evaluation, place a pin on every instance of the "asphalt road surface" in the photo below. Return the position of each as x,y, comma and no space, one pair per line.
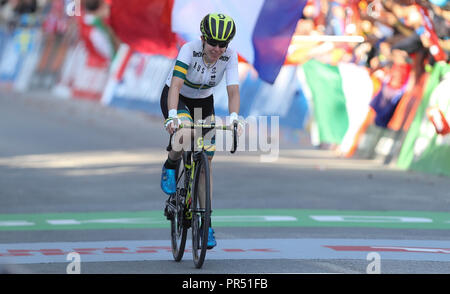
76,176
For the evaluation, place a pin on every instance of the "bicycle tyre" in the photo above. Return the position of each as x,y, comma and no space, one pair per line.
178,230
201,218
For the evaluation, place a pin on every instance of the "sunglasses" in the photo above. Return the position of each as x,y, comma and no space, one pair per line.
214,43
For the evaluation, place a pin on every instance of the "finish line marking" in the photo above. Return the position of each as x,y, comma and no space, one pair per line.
152,250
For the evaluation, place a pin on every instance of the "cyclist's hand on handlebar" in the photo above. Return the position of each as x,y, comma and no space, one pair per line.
172,122
234,118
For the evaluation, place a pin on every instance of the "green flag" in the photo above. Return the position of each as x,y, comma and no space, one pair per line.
329,101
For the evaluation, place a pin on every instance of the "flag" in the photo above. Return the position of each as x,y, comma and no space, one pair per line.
145,25
97,40
272,35
435,48
340,98
329,107
264,28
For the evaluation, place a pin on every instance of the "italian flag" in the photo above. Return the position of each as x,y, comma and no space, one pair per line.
340,97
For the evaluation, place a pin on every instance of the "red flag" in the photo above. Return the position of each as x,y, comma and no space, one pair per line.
145,25
435,49
94,57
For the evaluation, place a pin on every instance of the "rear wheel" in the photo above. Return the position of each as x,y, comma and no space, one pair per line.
177,223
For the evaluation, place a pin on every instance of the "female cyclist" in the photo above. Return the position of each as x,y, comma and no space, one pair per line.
199,67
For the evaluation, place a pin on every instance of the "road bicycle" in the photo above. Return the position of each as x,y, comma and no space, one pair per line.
183,208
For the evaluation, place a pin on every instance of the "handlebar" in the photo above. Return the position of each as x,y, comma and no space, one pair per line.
233,128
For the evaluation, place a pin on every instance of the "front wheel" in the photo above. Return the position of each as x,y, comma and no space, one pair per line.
201,214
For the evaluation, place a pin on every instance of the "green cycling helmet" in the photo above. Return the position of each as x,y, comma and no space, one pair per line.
219,27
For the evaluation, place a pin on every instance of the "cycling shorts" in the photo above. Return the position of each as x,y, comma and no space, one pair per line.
190,109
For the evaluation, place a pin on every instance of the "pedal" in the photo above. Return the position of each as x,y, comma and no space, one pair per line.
170,208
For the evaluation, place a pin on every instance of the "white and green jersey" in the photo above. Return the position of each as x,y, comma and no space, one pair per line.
199,79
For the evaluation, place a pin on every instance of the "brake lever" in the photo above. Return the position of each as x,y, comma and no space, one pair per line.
235,126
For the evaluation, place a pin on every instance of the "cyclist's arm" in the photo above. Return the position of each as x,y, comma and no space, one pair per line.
174,92
232,78
172,103
234,99
179,75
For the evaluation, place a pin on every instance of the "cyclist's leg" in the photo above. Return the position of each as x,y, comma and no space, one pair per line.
168,181
182,138
185,117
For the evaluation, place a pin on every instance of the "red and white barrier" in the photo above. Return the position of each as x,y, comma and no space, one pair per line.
81,79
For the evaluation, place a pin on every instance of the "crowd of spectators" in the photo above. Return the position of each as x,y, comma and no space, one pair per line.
13,11
401,36
398,35
58,19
